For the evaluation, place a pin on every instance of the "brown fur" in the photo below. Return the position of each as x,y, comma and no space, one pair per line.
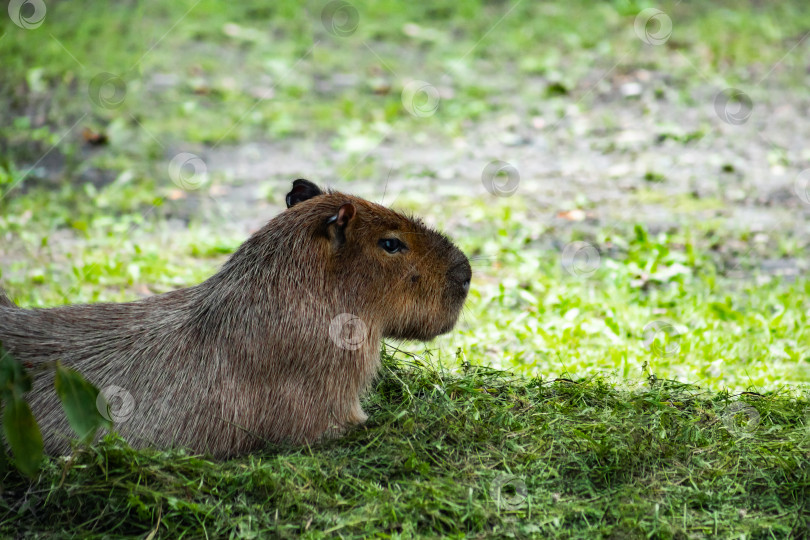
246,356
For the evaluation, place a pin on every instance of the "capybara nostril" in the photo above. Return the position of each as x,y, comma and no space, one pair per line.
277,346
458,280
460,274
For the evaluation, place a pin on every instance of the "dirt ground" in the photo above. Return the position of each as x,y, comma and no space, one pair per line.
630,151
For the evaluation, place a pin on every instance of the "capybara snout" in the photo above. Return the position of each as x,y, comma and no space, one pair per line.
279,345
458,275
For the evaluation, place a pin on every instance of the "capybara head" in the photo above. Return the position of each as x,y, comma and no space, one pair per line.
390,268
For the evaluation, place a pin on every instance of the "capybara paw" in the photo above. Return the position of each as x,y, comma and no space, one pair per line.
357,415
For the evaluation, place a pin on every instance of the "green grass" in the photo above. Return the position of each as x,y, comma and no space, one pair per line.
544,312
196,72
614,429
478,453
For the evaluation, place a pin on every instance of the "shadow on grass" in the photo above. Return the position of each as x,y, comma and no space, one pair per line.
482,452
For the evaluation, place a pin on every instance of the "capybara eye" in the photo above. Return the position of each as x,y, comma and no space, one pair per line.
392,245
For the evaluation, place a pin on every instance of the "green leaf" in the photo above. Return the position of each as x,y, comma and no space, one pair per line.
79,401
13,378
4,461
22,434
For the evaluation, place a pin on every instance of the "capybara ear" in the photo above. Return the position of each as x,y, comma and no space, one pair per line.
345,215
302,190
341,220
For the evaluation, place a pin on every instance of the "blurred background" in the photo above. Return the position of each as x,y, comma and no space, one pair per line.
629,178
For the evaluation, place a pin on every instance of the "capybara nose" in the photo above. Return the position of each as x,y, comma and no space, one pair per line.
460,274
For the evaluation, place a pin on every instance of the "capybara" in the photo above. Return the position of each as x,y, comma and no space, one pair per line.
278,346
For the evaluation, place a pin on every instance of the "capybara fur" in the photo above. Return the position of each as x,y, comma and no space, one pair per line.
278,346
